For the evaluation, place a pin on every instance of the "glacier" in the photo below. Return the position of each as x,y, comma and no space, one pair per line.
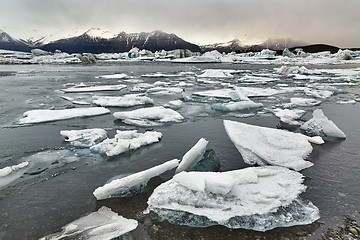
134,183
84,137
125,141
262,146
319,124
45,115
257,198
103,224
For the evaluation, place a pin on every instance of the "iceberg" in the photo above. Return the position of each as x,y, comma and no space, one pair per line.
11,169
193,156
236,106
176,104
218,93
125,141
216,73
129,100
289,116
45,115
84,137
302,102
260,92
134,183
115,76
103,224
159,114
94,88
262,146
257,198
164,90
320,125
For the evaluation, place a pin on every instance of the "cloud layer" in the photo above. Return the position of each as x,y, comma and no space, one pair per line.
203,21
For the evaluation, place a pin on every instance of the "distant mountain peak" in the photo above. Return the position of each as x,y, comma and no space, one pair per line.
100,33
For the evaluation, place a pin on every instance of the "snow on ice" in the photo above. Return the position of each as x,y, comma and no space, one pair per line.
129,100
134,183
125,141
45,115
257,198
157,114
84,137
319,124
261,145
193,156
289,116
103,224
94,88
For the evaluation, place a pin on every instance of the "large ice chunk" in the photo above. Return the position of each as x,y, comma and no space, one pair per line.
261,145
319,124
236,106
129,100
84,137
125,141
94,88
302,102
133,183
289,116
45,115
216,73
11,169
103,224
257,198
193,156
159,114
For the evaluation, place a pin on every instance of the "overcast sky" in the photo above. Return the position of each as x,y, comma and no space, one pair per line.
334,22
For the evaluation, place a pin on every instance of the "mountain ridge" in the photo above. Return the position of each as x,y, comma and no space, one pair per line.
96,40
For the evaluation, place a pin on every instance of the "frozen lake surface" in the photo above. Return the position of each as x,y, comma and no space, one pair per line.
57,187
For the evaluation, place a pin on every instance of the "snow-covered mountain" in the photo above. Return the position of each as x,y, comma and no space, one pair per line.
231,46
97,41
9,43
236,45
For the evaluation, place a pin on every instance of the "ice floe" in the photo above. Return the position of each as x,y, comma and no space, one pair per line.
320,125
84,137
150,115
236,106
115,76
261,145
45,115
257,198
261,92
302,102
94,88
216,73
103,224
134,183
125,141
129,100
11,169
289,116
193,156
164,90
218,93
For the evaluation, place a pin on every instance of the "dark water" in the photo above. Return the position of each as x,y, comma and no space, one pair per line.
35,206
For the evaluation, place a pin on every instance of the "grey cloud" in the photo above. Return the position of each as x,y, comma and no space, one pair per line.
327,21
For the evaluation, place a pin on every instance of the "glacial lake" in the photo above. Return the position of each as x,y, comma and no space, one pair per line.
40,203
